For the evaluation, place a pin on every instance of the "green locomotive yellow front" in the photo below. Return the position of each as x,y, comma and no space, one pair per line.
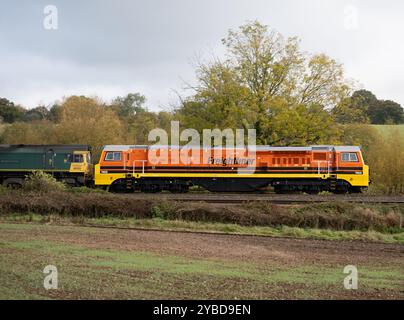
68,163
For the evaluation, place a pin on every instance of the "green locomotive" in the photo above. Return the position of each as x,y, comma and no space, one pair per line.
68,163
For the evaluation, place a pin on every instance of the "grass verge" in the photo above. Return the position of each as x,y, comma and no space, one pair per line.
197,226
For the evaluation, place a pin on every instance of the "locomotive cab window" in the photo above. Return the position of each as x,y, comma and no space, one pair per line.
113,156
75,158
78,158
349,157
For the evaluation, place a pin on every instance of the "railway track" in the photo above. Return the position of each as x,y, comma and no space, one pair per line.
235,198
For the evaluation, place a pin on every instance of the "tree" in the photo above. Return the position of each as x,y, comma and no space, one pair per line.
9,112
2,127
383,153
264,61
351,110
139,127
164,119
270,66
129,105
364,135
364,98
386,112
86,121
363,106
262,67
54,113
323,82
220,102
296,125
38,132
36,114
386,160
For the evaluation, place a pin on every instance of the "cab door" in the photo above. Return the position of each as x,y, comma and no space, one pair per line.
126,162
49,159
333,161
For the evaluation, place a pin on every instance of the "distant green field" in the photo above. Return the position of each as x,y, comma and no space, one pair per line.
387,129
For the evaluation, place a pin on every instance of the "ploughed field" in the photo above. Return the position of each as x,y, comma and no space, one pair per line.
105,263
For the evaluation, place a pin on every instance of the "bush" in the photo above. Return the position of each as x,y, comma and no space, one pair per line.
332,215
383,153
86,190
164,210
325,193
386,162
40,181
91,205
376,189
347,216
3,189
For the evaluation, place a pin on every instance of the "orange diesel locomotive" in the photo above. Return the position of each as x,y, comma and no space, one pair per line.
337,169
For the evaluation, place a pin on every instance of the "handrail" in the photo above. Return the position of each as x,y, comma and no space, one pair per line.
319,167
134,165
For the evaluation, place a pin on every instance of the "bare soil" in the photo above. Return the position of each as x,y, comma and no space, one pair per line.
284,251
297,258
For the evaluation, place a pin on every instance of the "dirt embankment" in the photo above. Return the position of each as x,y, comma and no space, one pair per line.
332,215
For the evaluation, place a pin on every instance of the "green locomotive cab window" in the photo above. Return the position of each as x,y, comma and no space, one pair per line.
78,158
113,156
75,158
349,157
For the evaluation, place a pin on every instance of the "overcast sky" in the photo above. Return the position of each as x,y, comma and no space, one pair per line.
109,48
